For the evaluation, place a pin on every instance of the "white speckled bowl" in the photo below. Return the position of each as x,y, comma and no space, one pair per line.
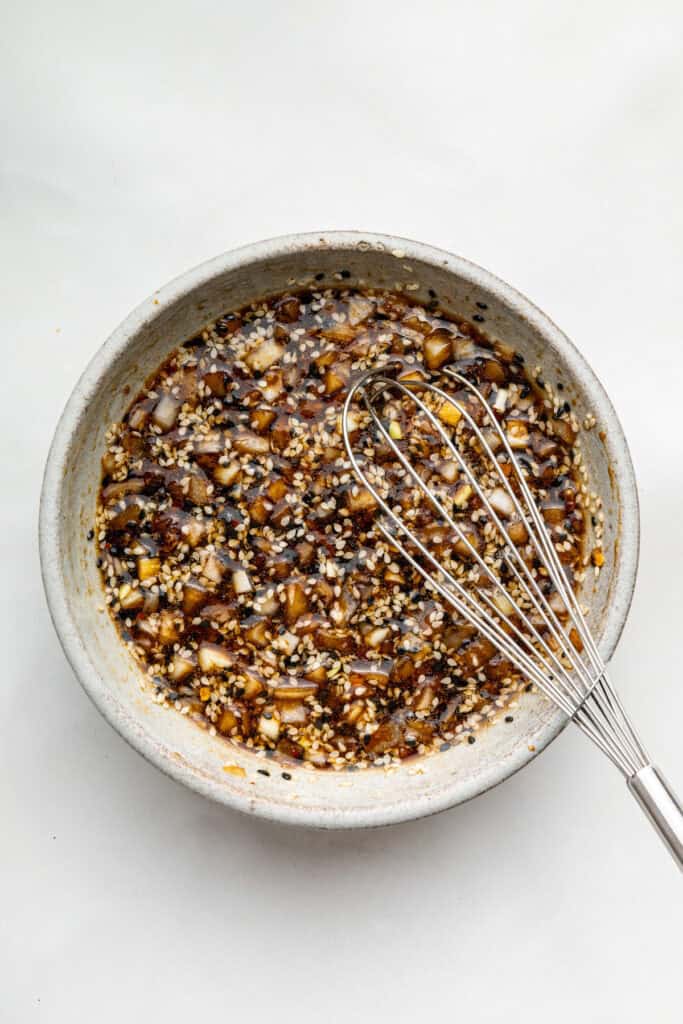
105,668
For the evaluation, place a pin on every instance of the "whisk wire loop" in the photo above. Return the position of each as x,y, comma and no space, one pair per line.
571,673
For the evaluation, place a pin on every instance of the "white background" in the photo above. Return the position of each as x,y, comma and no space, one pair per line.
543,141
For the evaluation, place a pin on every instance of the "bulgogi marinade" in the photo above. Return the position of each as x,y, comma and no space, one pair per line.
240,555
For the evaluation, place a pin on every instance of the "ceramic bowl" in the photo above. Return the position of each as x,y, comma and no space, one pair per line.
107,671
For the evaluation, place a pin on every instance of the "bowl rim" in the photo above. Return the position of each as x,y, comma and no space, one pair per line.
181,287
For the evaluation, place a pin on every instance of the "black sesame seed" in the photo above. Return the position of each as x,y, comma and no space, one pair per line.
91,534
263,771
525,392
540,382
99,560
479,318
594,521
444,746
566,407
509,718
319,276
560,386
346,274
432,293
529,687
286,776
471,739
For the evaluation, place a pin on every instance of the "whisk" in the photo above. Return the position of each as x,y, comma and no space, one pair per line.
513,612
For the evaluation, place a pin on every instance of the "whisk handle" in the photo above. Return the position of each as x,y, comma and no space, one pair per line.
662,807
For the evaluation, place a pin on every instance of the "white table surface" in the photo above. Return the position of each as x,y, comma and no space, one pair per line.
543,141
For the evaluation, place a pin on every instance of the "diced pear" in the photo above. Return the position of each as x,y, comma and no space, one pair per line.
148,567
287,643
247,443
501,502
168,627
295,689
336,377
269,727
258,634
262,418
438,348
130,597
227,722
450,414
317,674
296,602
462,496
193,531
518,433
264,355
240,582
226,475
359,499
180,668
360,309
253,684
214,658
166,412
598,557
260,509
503,603
377,636
213,568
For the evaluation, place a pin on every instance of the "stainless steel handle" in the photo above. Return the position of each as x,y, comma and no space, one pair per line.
661,805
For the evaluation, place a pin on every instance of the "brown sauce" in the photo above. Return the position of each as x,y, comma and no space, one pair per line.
240,556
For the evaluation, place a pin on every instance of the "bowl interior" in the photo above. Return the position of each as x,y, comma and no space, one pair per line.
107,670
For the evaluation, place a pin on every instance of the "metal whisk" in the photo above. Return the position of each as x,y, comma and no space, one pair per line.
513,613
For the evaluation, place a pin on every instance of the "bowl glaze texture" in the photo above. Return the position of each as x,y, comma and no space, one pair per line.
106,669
